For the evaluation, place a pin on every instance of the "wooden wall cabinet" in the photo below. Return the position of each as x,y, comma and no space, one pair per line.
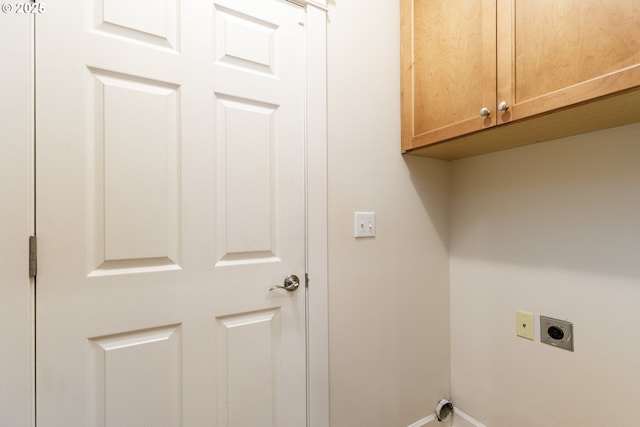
558,67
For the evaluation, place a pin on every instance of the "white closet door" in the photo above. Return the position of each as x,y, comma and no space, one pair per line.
170,199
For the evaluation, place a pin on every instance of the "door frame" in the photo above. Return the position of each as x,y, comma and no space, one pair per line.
316,212
18,222
317,217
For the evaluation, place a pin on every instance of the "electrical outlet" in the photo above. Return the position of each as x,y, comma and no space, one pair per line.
556,332
524,324
365,224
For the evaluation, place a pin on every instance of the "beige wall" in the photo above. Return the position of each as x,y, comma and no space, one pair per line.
389,296
553,229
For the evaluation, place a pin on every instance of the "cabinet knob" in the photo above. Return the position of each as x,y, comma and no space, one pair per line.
484,112
503,106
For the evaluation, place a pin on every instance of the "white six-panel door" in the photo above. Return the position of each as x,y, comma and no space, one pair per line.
170,199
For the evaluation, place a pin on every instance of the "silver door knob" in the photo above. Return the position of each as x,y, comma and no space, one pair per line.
503,106
484,112
290,284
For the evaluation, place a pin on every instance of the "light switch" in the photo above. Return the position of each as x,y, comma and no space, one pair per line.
524,324
365,224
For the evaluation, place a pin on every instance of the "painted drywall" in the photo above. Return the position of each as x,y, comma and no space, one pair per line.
388,295
553,229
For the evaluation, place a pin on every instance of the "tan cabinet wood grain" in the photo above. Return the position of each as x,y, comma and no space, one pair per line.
448,58
555,63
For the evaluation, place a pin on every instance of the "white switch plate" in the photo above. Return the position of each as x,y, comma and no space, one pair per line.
365,224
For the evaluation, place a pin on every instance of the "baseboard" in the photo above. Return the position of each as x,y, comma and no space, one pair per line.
427,421
462,419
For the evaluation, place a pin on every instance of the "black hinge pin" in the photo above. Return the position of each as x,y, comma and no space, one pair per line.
33,256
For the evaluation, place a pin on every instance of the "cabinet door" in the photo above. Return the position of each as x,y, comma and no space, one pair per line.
557,53
448,69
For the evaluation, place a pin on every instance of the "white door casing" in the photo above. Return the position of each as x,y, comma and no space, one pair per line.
317,218
170,153
16,219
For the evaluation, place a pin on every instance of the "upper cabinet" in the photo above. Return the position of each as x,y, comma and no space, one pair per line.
480,76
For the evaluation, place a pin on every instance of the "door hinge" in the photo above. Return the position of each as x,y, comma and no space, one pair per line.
33,256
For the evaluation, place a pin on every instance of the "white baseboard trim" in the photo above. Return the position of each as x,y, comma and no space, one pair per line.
462,419
425,421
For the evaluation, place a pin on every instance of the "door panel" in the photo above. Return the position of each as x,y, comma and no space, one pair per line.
245,174
248,351
134,172
170,200
138,372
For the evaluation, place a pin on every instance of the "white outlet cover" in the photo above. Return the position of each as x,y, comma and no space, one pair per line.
365,224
